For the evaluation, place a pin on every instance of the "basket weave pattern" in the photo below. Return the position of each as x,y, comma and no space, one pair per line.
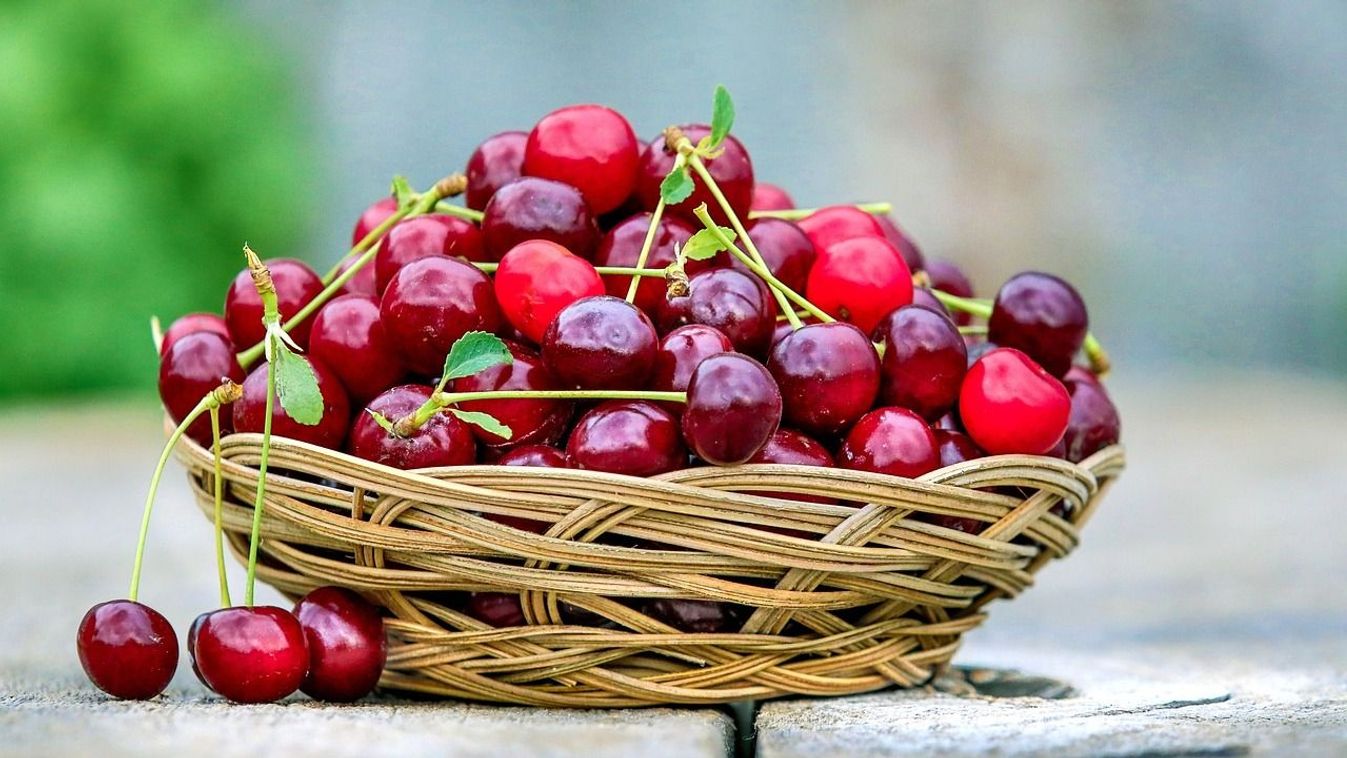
843,598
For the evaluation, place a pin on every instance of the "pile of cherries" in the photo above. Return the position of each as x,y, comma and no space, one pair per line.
880,369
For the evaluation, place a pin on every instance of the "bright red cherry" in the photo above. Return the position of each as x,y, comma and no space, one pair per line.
838,223
679,353
127,649
695,616
733,172
1094,423
924,362
191,324
621,246
793,448
601,343
1009,404
737,304
769,197
632,437
947,277
250,410
530,420
252,655
432,302
890,441
441,441
785,248
349,338
296,284
1041,315
536,208
495,163
374,215
538,278
956,448
347,646
860,281
423,236
828,375
193,366
733,408
589,147
498,609
898,238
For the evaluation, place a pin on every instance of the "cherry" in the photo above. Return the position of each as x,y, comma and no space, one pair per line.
539,456
1094,423
890,441
947,277
923,297
498,609
695,616
733,172
349,338
898,238
924,362
1042,316
859,280
769,197
589,147
785,249
127,649
363,282
432,302
1009,404
344,633
250,410
679,353
828,226
733,408
621,246
538,278
296,284
828,375
192,633
372,217
600,342
632,437
977,347
495,163
955,448
442,441
737,304
791,447
530,420
190,368
191,324
534,208
252,655
423,236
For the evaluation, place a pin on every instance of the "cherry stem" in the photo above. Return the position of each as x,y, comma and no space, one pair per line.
1094,352
219,509
649,240
157,334
490,268
973,329
795,214
439,401
458,211
271,317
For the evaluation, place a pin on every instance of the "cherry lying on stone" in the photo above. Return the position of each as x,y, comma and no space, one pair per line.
535,208
495,163
252,654
347,646
733,407
633,437
128,649
828,374
1009,404
442,440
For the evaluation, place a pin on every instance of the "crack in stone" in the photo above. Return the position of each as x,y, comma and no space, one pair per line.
1171,705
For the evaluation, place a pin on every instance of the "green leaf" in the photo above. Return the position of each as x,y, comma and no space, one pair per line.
722,116
705,244
485,421
296,385
382,420
474,352
677,186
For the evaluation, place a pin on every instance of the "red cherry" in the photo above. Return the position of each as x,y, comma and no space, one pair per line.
695,616
769,197
924,362
733,172
898,238
530,421
923,298
441,441
498,609
432,302
536,279
828,375
537,456
632,437
1009,404
252,655
1094,423
296,284
347,647
860,281
374,215
838,223
733,408
1042,315
785,249
495,163
191,324
890,441
589,147
956,448
621,246
349,338
363,282
599,343
127,649
737,304
535,208
679,353
424,236
793,448
947,277
250,410
193,366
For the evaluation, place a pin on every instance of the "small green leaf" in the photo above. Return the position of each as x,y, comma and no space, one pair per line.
474,352
296,385
677,186
705,244
722,116
485,421
381,420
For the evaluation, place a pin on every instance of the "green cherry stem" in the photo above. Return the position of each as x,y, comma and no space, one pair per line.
490,268
467,214
795,214
973,329
649,240
1100,364
219,509
439,401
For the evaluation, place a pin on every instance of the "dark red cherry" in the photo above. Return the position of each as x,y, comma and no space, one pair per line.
947,277
838,223
495,163
599,343
347,646
192,632
890,441
631,437
621,246
127,649
376,214
1009,404
424,236
250,410
923,297
441,441
695,616
430,304
860,280
955,447
498,609
828,375
193,366
793,448
539,456
679,353
977,347
1042,316
769,197
349,338
736,304
191,324
536,279
784,247
898,238
589,147
733,172
924,362
530,421
252,655
1094,423
535,208
296,284
733,407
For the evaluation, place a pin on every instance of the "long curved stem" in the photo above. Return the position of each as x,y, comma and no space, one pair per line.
219,509
442,400
795,214
1094,352
652,273
649,241
467,214
260,500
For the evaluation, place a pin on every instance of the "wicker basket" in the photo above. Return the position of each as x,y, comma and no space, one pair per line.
870,597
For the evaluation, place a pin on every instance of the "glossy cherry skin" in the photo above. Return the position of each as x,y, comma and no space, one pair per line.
530,421
695,616
923,297
252,655
369,220
441,441
193,366
860,280
589,147
621,246
1042,316
898,238
349,338
360,283
1094,423
535,208
1009,404
956,447
733,172
424,236
769,197
679,353
536,279
892,441
600,343
495,163
828,375
498,609
838,223
296,284
791,447
250,410
632,437
736,304
785,248
924,362
127,649
432,302
192,632
733,408
191,324
947,277
347,645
